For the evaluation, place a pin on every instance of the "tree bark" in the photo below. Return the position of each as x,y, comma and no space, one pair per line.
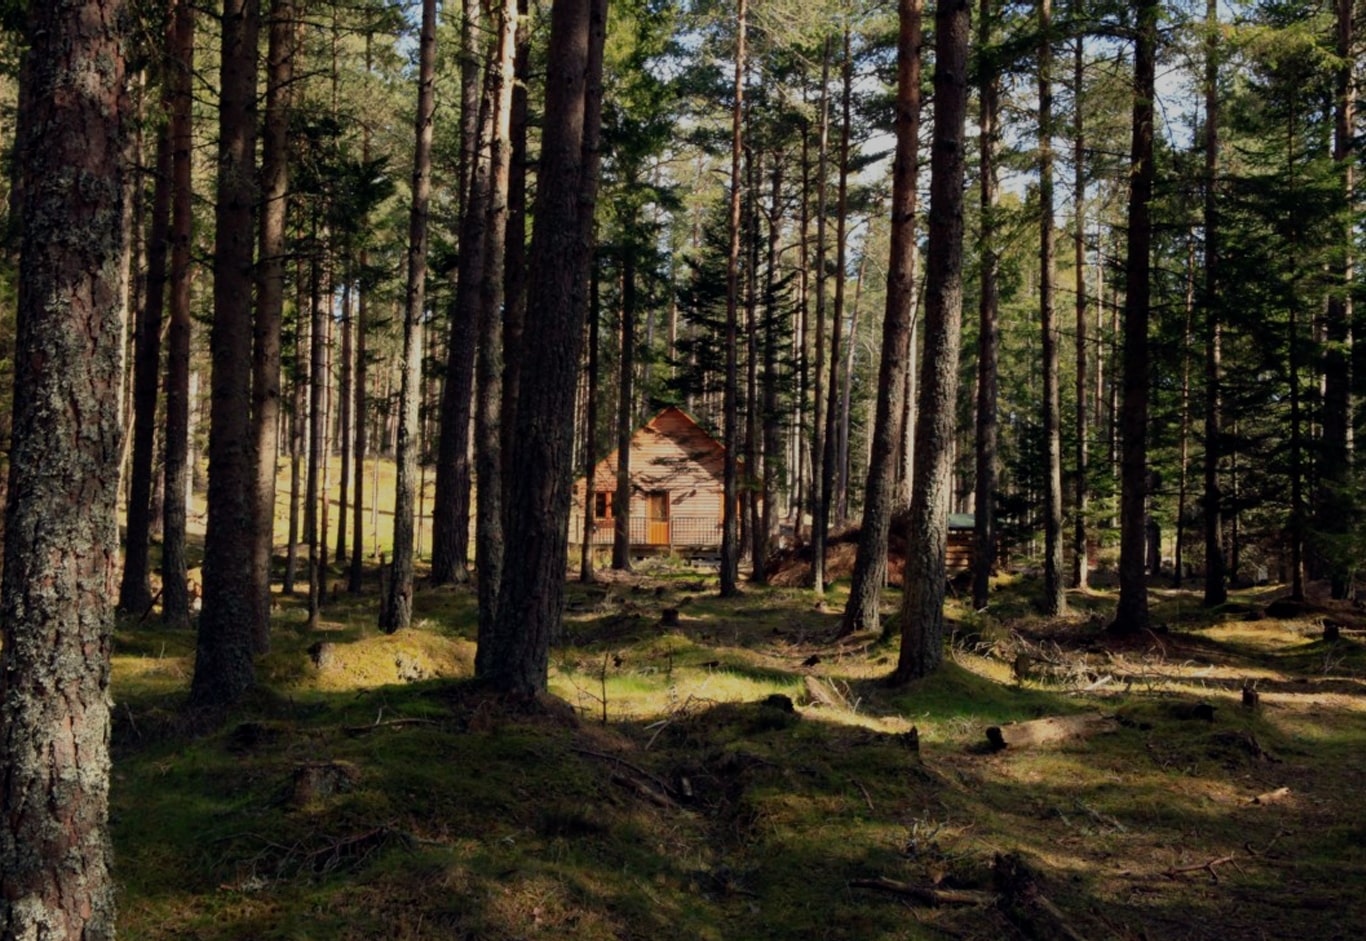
488,532
730,545
319,304
772,419
270,298
175,594
819,511
531,596
590,450
451,502
514,265
135,591
621,503
1335,507
228,626
830,461
1131,614
1216,575
870,565
1054,597
358,409
988,331
61,533
397,609
298,420
344,399
1081,565
922,614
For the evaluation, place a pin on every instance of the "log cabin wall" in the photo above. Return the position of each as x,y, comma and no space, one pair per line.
676,473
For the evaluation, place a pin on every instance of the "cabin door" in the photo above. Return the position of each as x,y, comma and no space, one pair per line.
657,518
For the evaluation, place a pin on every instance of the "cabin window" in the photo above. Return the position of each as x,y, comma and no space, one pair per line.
657,506
602,505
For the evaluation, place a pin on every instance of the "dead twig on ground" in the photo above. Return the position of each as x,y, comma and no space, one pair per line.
864,790
1208,867
924,894
617,759
386,724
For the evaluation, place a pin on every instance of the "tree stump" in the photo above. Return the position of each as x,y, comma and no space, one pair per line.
318,780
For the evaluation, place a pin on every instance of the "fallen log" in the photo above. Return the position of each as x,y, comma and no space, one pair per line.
925,894
1049,730
1272,797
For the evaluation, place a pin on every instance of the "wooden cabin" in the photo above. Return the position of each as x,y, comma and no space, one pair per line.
962,545
677,488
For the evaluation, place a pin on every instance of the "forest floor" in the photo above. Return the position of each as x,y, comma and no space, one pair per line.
370,790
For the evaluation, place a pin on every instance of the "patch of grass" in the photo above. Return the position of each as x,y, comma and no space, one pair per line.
372,790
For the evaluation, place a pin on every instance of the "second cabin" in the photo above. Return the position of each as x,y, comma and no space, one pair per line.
677,489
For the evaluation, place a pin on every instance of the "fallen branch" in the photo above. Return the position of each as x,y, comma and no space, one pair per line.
924,894
645,791
860,786
386,724
1103,819
615,759
1208,867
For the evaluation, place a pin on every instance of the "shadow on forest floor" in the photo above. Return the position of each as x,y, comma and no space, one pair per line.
735,776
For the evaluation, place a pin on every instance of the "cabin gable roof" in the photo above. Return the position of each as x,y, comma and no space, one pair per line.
669,452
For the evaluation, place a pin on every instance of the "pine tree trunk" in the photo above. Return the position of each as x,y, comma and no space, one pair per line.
344,399
1216,576
514,266
988,331
621,503
314,491
755,540
1335,508
842,456
830,461
1054,597
590,455
397,607
488,533
451,502
270,297
730,546
228,628
1081,565
922,613
870,565
772,420
61,533
1182,487
135,592
819,512
175,594
360,444
802,341
298,421
531,596
1131,614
